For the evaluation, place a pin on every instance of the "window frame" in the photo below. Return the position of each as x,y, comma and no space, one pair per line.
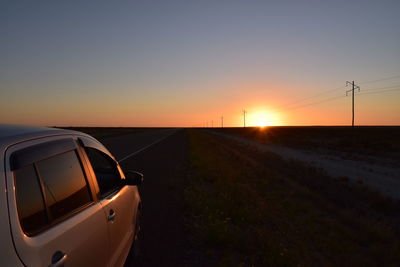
89,142
109,158
51,221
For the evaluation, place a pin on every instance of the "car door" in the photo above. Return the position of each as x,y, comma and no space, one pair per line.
119,201
55,217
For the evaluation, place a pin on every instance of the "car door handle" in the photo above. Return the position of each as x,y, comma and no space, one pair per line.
58,259
111,216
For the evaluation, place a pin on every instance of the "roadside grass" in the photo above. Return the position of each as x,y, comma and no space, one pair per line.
248,208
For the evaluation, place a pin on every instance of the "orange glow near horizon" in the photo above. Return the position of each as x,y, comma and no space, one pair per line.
197,111
262,118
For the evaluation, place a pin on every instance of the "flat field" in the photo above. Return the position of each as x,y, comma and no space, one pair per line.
255,208
379,141
382,141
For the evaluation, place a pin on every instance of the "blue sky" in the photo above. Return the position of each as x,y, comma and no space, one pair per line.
180,63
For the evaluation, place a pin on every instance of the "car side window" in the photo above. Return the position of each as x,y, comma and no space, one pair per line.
106,171
49,189
30,203
64,183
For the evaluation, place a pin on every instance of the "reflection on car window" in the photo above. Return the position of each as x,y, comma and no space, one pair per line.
64,183
106,171
30,204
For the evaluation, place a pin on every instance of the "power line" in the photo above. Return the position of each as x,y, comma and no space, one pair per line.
316,103
333,90
369,91
379,88
382,79
337,97
380,91
311,97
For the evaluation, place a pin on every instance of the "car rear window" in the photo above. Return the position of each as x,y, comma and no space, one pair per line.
31,207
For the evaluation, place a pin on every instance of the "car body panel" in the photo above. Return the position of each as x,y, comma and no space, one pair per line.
120,238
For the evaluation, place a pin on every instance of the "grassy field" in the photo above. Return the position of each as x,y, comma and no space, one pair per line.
368,140
247,208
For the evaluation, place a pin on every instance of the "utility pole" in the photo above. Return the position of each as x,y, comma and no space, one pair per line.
352,94
244,118
212,123
222,121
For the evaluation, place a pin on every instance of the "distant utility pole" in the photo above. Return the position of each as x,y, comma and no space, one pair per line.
352,94
222,121
244,117
212,123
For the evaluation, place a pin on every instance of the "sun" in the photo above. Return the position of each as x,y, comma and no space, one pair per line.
264,118
262,124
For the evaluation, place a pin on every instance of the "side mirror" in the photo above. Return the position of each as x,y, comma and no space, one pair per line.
133,178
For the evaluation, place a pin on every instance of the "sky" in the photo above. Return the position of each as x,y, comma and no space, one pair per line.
188,63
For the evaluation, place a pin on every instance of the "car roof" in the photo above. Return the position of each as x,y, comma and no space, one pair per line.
12,134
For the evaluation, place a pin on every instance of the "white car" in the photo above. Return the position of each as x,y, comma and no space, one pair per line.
64,200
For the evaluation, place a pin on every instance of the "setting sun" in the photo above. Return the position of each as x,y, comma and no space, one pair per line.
264,118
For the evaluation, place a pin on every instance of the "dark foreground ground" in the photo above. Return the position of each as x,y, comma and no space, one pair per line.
211,201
